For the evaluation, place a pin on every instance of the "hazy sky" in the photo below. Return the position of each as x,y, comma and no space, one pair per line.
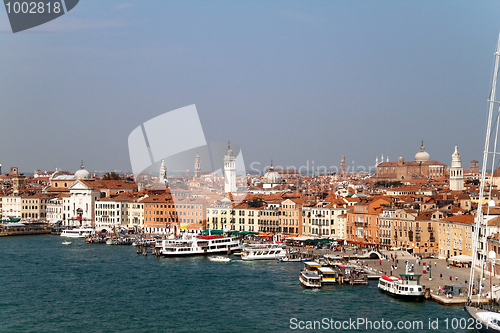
295,81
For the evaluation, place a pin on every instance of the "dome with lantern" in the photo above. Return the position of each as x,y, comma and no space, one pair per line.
422,155
271,177
82,174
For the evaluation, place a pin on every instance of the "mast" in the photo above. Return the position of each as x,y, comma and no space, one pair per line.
479,223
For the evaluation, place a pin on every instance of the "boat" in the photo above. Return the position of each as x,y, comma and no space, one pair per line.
309,276
287,259
197,245
309,279
78,233
271,251
219,259
327,275
487,319
405,285
66,243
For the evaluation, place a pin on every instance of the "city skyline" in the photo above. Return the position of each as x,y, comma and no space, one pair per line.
291,81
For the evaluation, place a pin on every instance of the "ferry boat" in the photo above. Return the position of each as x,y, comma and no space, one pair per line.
406,286
263,252
309,279
197,245
78,233
327,275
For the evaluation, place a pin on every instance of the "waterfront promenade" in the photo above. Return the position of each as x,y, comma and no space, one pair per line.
439,275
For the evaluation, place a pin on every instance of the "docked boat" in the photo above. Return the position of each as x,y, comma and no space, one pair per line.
263,252
78,233
486,320
327,275
405,286
287,259
66,243
197,245
219,259
310,279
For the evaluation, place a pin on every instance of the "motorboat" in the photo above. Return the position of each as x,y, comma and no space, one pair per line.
219,259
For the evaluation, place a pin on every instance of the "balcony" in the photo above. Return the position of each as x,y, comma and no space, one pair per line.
417,239
417,228
360,224
432,239
429,229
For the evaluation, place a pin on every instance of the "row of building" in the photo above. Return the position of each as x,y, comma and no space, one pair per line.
419,205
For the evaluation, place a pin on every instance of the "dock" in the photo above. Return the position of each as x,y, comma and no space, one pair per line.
456,300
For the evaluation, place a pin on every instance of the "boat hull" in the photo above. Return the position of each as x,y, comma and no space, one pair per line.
486,318
194,252
409,297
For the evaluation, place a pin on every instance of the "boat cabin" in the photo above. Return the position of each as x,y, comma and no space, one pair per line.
312,266
327,275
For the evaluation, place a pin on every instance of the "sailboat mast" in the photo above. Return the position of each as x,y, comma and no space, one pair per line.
479,216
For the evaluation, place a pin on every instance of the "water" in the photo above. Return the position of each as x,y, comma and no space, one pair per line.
49,287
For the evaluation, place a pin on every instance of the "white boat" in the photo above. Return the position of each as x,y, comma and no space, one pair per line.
286,259
405,286
66,243
197,245
327,275
263,252
219,259
78,233
310,279
486,320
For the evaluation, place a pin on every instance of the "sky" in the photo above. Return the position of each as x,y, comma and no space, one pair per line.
298,82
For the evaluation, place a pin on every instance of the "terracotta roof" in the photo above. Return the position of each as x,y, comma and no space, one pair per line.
463,218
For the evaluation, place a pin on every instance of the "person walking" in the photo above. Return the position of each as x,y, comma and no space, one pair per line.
451,278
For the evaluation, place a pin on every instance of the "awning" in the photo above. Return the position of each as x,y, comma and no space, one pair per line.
461,258
212,232
300,238
265,235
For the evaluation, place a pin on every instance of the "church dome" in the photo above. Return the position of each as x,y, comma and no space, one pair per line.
422,155
82,174
271,176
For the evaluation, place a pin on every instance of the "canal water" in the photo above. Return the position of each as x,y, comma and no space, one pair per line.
49,287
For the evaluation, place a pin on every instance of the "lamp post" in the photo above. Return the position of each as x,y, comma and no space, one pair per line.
430,273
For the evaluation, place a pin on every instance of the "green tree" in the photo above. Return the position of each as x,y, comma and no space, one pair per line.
111,176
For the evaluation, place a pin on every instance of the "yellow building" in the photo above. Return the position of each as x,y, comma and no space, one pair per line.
455,235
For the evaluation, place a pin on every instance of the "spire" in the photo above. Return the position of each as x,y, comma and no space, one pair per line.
81,166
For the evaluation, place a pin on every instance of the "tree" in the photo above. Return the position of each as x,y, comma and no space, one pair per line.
111,176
